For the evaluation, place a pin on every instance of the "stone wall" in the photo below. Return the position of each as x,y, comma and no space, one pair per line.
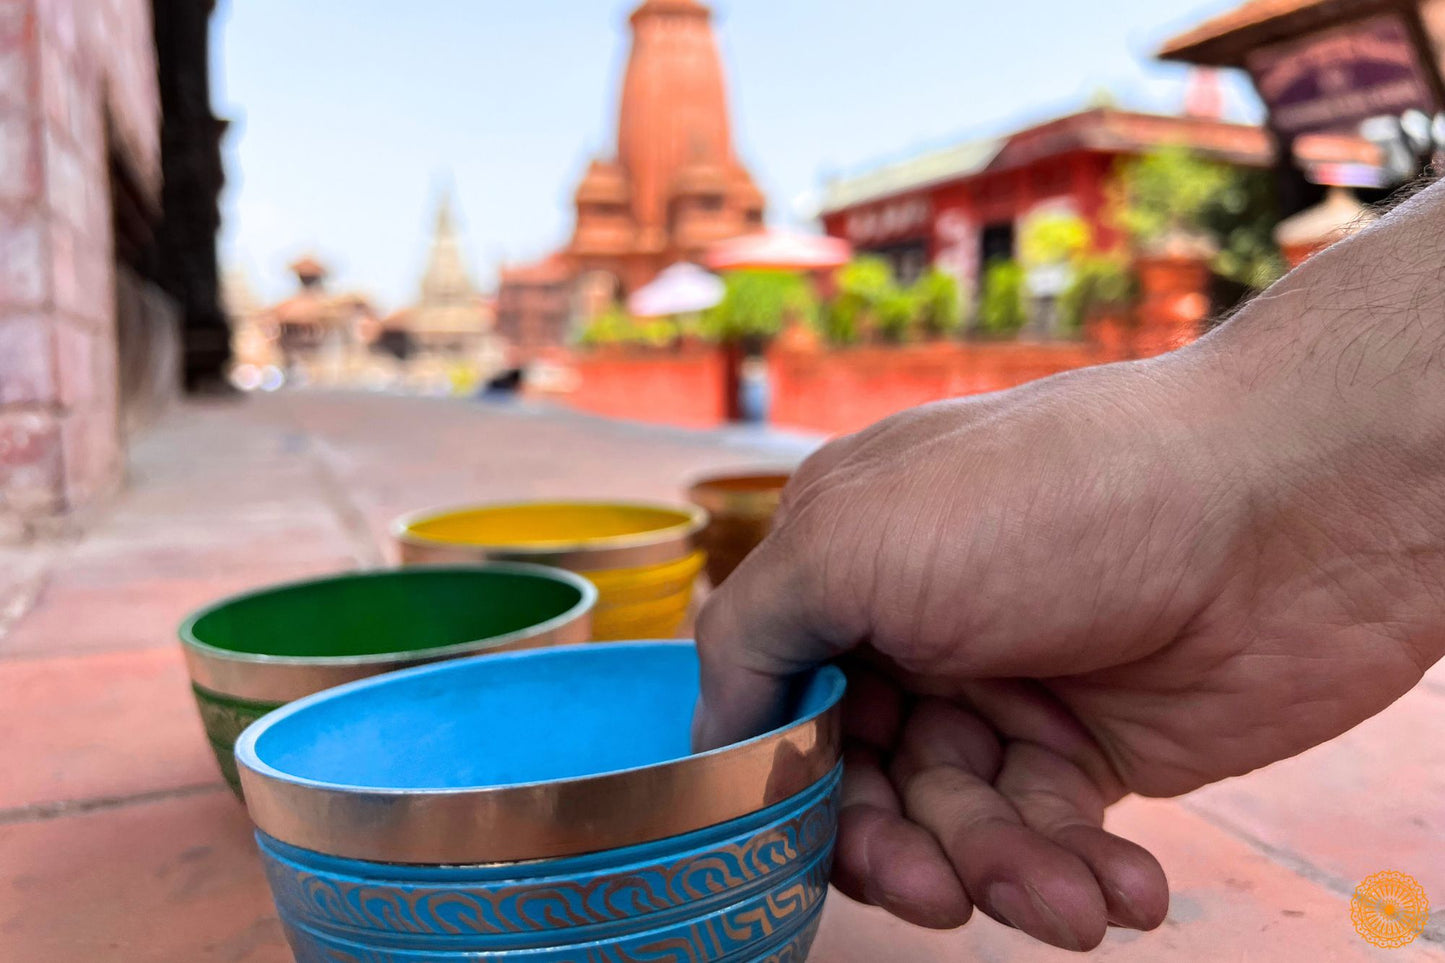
79,126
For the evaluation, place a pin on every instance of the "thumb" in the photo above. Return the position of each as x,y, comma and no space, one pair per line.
758,632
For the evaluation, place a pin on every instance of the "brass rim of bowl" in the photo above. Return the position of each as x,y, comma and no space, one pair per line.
710,492
284,678
617,551
548,820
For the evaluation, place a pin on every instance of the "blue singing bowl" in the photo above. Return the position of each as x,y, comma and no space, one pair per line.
543,806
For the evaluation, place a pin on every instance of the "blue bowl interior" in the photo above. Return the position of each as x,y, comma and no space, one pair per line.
501,720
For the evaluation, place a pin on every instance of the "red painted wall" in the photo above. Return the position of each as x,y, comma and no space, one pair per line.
845,390
685,388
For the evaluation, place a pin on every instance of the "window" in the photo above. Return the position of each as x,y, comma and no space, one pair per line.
997,243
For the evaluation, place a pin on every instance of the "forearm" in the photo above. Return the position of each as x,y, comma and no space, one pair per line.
1326,395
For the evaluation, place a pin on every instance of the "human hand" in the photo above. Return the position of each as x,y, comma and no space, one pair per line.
1138,578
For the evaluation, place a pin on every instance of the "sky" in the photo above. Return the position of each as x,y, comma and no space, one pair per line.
350,118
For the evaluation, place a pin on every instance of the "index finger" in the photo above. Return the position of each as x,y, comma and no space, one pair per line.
760,630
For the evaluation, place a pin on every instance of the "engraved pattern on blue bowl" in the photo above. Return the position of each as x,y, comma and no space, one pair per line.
789,949
750,890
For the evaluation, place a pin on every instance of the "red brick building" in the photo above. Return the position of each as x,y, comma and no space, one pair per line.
960,208
109,172
534,307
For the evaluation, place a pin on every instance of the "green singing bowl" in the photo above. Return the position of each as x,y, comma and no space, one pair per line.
253,653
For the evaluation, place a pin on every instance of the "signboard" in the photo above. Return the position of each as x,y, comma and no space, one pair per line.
1050,280
895,220
1335,79
956,243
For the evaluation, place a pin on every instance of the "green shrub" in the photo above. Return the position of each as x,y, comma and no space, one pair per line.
758,304
616,326
1100,282
1054,238
897,311
1175,189
863,285
612,326
939,302
1002,309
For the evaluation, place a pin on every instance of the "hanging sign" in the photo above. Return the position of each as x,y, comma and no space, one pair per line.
1335,79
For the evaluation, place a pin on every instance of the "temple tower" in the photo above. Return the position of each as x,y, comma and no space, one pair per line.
675,184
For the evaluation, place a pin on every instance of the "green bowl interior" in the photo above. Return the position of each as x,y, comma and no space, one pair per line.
384,613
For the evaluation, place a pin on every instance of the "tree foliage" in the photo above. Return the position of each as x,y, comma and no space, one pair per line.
1176,190
759,304
1002,309
616,326
1100,282
1054,238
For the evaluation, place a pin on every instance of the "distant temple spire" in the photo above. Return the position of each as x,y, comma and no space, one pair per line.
446,279
1204,97
309,271
450,316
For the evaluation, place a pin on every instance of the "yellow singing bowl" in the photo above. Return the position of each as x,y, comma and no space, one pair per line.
650,602
643,558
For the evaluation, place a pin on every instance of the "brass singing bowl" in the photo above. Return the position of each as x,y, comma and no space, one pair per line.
740,509
643,557
580,536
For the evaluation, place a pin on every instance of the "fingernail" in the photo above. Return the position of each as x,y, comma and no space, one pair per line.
1128,911
1023,908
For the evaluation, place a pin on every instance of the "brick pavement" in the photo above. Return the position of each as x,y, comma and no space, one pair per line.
118,840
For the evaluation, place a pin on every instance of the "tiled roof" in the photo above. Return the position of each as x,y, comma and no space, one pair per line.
546,271
1202,44
1103,130
913,174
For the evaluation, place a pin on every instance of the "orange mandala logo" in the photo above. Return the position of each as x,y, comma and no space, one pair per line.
1389,909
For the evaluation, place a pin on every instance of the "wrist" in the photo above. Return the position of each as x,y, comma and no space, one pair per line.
1324,401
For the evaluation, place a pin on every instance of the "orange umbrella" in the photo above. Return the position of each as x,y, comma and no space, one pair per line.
779,252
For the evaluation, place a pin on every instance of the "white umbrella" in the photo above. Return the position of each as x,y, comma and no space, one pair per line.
681,289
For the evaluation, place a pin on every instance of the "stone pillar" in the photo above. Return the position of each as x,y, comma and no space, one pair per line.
78,109
1174,279
183,260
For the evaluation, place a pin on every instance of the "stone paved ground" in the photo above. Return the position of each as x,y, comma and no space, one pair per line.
119,842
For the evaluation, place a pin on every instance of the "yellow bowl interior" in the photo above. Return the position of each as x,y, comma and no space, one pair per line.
548,524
